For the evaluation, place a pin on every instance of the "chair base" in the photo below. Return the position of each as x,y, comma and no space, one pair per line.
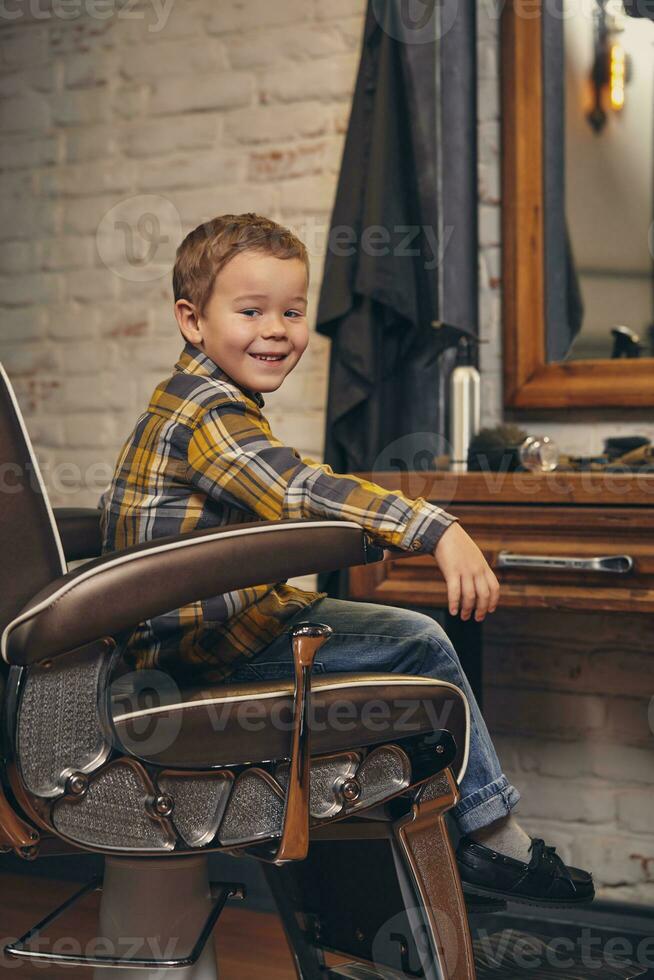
148,922
385,892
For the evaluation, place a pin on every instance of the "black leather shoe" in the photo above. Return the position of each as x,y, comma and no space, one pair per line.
545,880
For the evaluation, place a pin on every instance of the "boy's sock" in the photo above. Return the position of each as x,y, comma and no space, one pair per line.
506,836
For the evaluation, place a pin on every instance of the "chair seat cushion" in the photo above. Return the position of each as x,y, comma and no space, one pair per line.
231,724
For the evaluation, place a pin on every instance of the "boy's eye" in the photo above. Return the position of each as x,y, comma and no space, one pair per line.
249,312
293,313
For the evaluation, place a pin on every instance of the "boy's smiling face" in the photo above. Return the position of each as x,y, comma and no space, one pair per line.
257,307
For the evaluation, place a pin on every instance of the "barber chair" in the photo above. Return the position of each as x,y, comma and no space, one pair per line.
338,784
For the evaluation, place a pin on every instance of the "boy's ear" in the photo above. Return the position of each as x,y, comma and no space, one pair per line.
187,320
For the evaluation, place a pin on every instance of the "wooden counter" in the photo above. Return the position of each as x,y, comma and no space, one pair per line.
570,515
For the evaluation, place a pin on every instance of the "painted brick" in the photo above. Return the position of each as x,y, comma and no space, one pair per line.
16,257
28,113
89,69
617,859
80,179
152,139
154,23
161,58
242,15
297,428
281,163
261,124
70,320
200,169
325,79
89,356
85,430
295,44
67,253
489,224
23,324
559,714
92,143
88,285
81,108
351,29
20,46
338,9
636,810
29,359
550,799
628,721
31,288
198,206
130,101
222,90
313,194
19,152
82,217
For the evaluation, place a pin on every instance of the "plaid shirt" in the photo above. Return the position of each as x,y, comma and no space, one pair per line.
201,455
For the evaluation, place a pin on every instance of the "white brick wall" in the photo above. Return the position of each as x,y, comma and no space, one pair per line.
244,106
210,108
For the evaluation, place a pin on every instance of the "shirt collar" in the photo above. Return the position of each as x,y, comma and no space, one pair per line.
194,361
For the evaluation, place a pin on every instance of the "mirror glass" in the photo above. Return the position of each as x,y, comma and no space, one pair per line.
599,179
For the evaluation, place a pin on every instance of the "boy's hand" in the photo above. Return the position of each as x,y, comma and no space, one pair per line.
469,578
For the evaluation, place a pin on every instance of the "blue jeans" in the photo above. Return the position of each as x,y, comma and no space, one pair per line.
374,637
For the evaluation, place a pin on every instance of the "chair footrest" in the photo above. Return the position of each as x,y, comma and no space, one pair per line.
220,893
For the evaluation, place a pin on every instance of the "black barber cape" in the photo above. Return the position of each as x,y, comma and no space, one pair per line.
379,291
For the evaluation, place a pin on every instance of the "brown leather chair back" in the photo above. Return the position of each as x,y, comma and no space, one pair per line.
30,547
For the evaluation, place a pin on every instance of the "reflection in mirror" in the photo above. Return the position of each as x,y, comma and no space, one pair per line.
599,179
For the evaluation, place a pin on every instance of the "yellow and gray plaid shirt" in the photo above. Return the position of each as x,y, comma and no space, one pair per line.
203,455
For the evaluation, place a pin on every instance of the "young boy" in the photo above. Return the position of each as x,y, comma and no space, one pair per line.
203,454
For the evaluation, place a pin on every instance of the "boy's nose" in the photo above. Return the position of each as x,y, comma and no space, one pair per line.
275,327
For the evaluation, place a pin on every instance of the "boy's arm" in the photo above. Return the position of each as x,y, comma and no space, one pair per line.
234,457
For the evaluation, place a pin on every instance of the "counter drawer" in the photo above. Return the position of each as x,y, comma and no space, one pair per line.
535,532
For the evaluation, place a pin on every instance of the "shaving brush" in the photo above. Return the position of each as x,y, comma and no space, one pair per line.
496,449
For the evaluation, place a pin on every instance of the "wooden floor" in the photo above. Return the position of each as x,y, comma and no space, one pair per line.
244,939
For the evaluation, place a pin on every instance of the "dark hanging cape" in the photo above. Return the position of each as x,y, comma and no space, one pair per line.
377,303
383,285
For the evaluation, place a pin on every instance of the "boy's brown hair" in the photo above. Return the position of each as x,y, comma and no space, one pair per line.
209,247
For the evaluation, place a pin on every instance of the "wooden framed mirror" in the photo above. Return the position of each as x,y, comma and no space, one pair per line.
530,219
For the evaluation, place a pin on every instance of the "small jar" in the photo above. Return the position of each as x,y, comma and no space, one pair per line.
539,454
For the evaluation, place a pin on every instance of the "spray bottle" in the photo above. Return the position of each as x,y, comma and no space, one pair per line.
465,404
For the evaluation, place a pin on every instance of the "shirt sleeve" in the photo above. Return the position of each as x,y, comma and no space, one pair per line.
234,457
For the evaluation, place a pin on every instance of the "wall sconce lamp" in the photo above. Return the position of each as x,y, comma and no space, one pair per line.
611,69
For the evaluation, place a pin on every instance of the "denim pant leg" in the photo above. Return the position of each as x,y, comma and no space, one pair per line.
374,637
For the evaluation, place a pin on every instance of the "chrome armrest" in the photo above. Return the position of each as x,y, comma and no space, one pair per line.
306,639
